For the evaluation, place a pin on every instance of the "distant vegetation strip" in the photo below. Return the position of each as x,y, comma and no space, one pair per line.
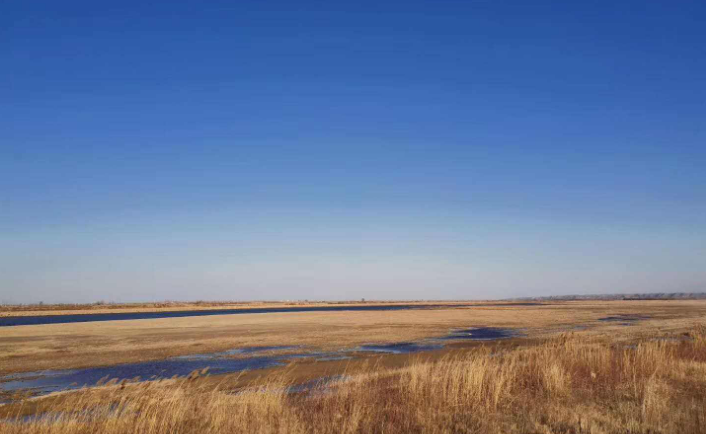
7,308
607,297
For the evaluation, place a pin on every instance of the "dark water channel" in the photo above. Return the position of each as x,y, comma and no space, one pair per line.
482,334
90,317
44,382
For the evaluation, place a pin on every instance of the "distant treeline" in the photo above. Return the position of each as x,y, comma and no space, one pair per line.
648,296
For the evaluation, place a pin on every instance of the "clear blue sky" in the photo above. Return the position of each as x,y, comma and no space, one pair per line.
338,150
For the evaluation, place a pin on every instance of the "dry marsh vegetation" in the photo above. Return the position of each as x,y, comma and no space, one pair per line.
78,345
565,384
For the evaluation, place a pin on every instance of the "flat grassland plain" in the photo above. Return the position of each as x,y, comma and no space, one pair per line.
567,367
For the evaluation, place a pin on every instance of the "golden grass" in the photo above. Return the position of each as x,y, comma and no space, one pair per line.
64,346
566,384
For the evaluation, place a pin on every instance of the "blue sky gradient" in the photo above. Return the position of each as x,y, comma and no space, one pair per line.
339,150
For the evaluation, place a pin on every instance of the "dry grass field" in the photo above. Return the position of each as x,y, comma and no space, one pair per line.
76,345
602,377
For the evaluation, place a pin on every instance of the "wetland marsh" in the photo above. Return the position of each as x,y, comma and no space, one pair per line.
74,371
